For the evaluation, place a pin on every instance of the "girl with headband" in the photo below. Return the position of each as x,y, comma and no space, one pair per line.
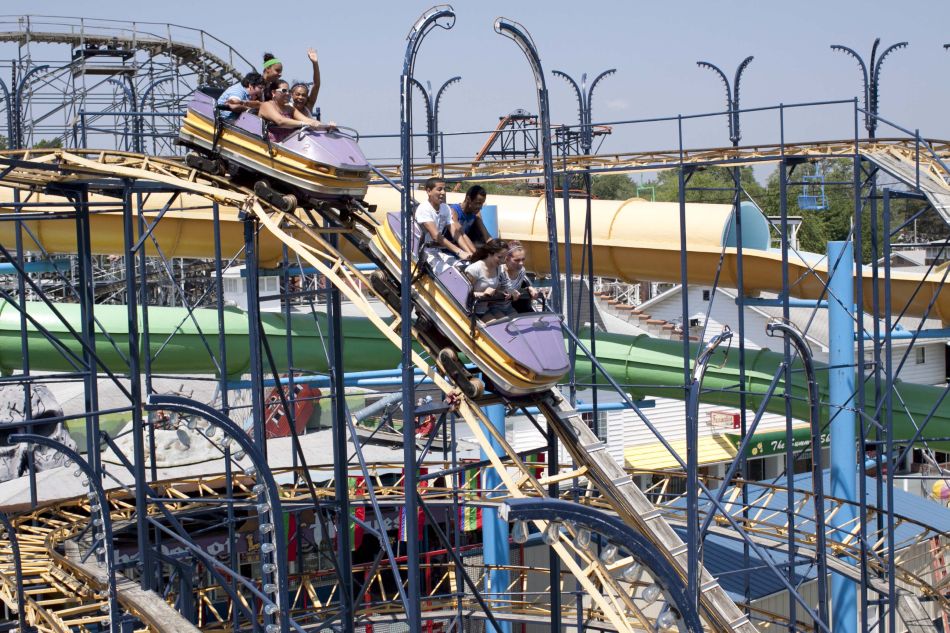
271,70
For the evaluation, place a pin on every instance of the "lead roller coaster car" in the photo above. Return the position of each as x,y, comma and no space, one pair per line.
308,167
518,355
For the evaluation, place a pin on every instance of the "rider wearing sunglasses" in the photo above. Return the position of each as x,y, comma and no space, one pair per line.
279,112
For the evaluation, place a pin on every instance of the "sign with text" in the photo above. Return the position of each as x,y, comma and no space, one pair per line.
773,442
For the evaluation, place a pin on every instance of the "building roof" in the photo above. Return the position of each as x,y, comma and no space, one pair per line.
812,323
913,516
913,257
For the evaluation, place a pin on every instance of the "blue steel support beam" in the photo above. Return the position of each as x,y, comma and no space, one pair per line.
841,403
17,570
495,528
280,619
95,484
621,534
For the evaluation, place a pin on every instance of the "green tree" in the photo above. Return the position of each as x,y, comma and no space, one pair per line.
713,184
48,143
835,221
613,187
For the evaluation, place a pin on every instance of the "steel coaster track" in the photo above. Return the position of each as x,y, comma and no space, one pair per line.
196,57
926,152
610,596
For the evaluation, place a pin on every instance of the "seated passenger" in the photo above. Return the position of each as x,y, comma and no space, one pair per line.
469,218
305,98
492,301
516,280
271,70
435,219
279,112
242,96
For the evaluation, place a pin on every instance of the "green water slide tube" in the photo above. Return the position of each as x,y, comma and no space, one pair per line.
185,344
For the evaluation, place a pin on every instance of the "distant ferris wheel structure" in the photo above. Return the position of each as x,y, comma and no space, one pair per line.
107,84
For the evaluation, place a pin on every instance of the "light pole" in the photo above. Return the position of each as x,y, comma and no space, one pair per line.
871,76
432,112
735,135
17,141
130,97
9,103
584,96
520,36
732,95
140,123
517,33
439,16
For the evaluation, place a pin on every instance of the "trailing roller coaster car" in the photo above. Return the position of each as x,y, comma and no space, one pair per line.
517,355
308,167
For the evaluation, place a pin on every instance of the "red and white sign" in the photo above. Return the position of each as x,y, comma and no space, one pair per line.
722,421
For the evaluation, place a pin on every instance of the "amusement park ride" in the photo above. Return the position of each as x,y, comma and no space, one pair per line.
250,542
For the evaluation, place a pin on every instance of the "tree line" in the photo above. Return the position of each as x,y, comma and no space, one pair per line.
717,185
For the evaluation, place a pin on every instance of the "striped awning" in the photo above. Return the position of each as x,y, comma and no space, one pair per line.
712,450
716,449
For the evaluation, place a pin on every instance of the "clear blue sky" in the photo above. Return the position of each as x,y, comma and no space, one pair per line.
654,46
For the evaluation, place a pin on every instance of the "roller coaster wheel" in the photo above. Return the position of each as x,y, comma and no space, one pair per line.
286,203
384,287
235,171
213,166
470,385
424,324
429,334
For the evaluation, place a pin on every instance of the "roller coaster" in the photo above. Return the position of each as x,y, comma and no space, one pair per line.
119,545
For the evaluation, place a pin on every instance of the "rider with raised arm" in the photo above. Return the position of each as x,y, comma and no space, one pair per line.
305,98
279,112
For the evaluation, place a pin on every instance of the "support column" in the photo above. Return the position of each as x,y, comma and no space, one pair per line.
254,334
841,363
494,529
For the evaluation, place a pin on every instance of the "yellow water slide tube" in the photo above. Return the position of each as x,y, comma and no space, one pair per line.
634,240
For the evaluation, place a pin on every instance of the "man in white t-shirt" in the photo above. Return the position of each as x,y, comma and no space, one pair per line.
437,220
